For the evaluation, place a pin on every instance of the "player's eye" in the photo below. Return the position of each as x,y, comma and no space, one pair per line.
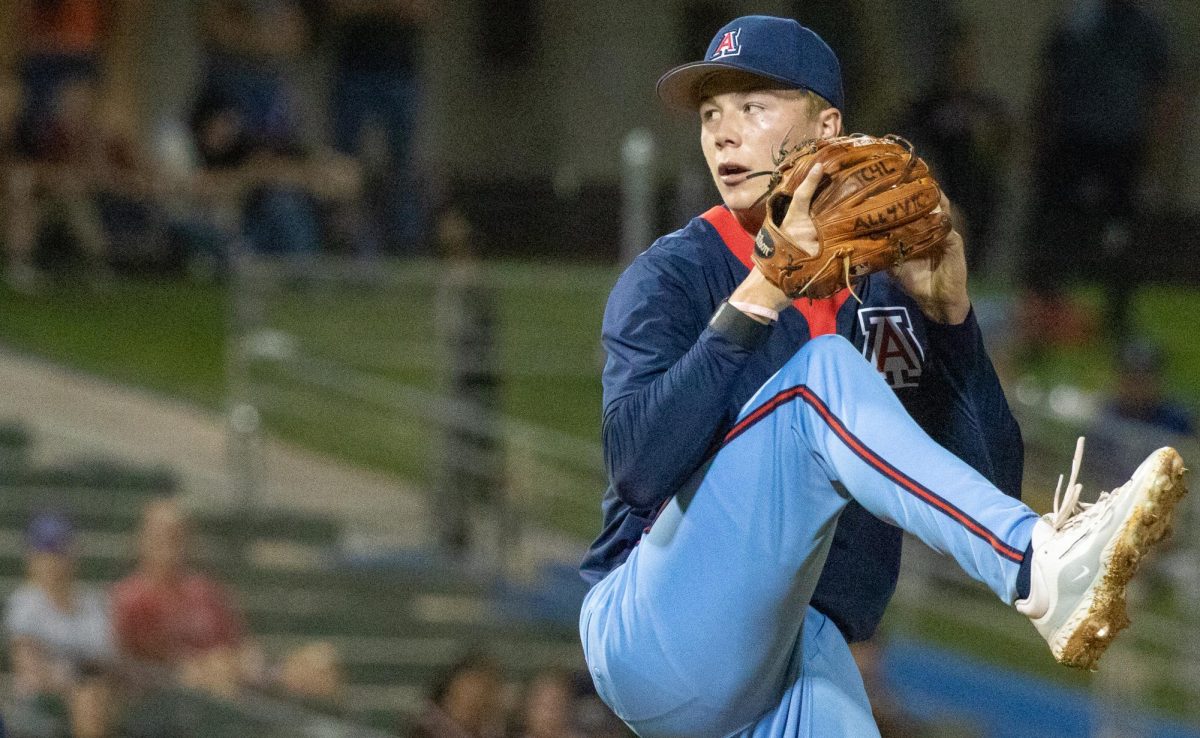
708,114
752,107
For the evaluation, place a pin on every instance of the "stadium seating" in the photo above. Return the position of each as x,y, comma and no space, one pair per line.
396,627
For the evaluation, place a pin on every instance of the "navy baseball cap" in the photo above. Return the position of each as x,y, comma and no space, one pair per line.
50,532
777,49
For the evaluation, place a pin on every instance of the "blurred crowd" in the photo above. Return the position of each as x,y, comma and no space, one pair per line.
469,700
1083,211
87,192
1095,173
90,662
86,662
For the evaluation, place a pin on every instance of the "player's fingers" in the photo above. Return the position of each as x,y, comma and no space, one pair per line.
944,204
804,193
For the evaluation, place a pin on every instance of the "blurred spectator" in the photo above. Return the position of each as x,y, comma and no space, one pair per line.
314,673
1140,394
168,614
472,470
547,709
1104,72
55,625
374,105
60,41
1136,419
18,213
93,707
247,131
248,45
83,190
466,702
1139,417
963,133
57,630
273,195
1131,425
69,163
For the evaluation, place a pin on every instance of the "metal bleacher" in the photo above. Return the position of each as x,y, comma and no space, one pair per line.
395,627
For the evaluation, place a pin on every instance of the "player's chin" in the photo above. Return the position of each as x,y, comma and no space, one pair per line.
739,198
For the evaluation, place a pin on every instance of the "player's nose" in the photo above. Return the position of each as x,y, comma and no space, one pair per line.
726,133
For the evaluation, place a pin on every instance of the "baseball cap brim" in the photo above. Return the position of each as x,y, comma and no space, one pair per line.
680,88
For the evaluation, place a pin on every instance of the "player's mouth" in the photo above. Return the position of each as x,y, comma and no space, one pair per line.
732,174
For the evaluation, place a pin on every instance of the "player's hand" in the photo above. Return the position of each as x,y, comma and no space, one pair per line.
755,289
798,225
938,283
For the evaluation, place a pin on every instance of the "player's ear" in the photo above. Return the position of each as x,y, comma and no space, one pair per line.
829,123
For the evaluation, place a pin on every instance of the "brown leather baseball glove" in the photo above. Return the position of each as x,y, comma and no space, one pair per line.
875,206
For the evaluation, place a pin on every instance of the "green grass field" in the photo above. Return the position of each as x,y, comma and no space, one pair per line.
171,337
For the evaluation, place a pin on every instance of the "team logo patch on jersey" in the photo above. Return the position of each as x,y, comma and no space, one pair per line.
729,46
891,346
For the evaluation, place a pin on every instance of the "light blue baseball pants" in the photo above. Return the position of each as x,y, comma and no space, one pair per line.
705,630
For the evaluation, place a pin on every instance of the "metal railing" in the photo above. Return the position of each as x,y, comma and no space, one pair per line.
359,364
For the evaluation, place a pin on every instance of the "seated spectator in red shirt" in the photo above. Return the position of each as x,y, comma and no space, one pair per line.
167,613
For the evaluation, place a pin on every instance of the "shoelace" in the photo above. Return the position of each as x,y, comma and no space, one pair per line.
1070,510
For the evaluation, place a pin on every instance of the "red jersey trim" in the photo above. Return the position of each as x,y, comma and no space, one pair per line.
820,314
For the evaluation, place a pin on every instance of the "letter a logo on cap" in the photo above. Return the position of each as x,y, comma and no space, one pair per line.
729,45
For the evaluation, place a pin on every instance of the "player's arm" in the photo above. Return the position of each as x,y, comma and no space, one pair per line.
667,381
974,421
670,375
938,282
977,424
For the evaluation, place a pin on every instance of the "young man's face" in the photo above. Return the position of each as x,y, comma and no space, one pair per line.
742,127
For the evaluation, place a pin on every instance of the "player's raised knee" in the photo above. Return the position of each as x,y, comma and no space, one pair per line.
825,348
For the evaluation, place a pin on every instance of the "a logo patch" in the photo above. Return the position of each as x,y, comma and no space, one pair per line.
729,45
764,244
891,346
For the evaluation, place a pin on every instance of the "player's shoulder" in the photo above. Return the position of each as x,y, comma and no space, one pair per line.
695,240
694,246
670,272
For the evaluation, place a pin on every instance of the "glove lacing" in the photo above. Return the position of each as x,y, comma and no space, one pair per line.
840,254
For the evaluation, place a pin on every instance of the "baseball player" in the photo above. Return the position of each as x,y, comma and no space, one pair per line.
762,472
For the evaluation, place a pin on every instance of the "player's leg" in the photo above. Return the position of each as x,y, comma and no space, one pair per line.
825,695
694,634
1077,561
691,636
860,434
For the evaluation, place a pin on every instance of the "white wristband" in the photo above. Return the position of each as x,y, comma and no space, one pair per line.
750,308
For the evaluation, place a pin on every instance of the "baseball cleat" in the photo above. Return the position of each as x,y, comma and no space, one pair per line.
1084,556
